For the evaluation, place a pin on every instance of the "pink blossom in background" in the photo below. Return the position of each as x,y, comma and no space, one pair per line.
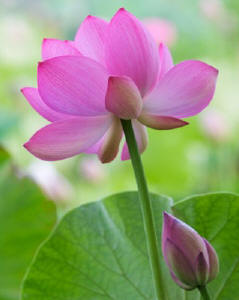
212,9
214,125
216,11
162,31
54,184
16,33
92,170
191,259
110,71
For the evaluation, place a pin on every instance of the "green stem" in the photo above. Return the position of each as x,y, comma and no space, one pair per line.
204,293
146,208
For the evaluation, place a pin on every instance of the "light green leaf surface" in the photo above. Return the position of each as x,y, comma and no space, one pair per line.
98,250
26,218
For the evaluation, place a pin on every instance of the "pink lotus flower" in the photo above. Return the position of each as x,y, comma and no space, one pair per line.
111,71
192,261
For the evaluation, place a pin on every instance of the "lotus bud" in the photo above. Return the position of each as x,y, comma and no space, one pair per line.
192,261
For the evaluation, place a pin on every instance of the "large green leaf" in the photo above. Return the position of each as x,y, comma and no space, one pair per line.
98,250
216,217
26,218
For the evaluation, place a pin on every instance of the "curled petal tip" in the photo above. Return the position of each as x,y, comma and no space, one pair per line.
216,71
90,17
161,45
161,122
183,123
44,40
213,69
111,79
40,63
26,145
122,9
165,214
168,220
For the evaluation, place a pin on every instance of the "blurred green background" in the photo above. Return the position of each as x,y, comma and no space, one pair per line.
199,158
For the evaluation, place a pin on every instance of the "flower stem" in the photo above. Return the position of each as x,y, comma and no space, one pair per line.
204,293
146,208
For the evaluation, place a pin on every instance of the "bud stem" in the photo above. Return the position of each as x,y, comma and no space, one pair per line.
204,293
146,208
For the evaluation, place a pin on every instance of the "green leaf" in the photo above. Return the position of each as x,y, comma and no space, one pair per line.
216,217
98,252
26,218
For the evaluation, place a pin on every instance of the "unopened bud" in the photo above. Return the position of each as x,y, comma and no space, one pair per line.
192,261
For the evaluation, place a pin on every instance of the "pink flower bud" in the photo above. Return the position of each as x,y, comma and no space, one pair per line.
192,261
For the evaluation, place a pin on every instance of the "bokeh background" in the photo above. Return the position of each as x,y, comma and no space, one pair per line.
202,157
198,158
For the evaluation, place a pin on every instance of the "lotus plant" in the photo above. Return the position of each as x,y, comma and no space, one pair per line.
112,81
191,259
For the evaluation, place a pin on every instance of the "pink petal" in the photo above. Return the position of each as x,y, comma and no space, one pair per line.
179,264
184,91
123,98
160,122
182,285
73,85
131,51
166,60
90,38
94,149
53,48
33,97
110,145
141,138
201,269
66,138
184,237
213,261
